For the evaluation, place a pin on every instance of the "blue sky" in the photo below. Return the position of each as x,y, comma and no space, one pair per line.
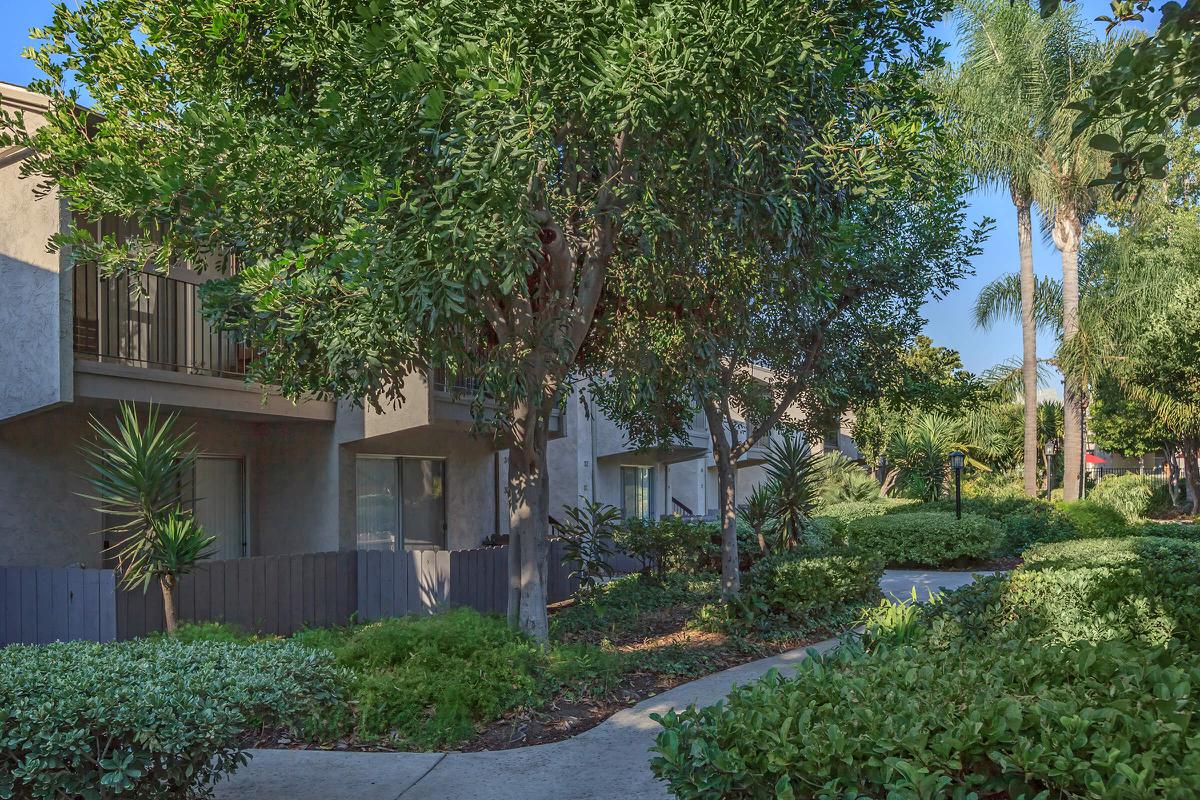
949,323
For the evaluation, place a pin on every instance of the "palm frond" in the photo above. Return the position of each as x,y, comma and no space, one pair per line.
1000,300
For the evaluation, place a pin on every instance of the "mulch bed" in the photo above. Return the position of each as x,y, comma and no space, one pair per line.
566,715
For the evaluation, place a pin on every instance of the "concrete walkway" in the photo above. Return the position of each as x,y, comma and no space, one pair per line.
898,584
609,761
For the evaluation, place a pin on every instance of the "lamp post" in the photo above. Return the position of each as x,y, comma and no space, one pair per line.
1051,449
957,459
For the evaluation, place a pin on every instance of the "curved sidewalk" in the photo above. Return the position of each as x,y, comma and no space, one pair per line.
609,761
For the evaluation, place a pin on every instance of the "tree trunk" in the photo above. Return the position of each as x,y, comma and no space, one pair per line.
1170,473
731,577
1191,472
1028,339
528,509
889,481
169,587
1067,233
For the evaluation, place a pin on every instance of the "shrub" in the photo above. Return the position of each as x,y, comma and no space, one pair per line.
804,588
1110,720
1026,520
1091,520
1188,531
927,539
1129,495
428,681
823,535
1009,484
667,545
849,512
1134,588
151,718
621,601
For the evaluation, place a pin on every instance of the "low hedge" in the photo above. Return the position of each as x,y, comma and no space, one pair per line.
1188,531
853,510
1110,720
148,718
1089,519
803,588
926,538
1141,588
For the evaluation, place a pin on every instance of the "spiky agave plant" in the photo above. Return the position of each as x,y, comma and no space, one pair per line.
794,472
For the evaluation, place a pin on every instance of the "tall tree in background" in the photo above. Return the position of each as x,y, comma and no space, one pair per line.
411,185
756,340
1003,98
1020,74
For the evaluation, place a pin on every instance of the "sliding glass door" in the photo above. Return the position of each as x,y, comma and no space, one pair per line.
637,492
401,503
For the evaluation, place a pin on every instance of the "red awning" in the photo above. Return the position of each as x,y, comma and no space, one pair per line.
1091,458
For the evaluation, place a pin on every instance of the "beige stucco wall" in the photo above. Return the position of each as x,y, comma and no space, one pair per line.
35,298
570,459
44,521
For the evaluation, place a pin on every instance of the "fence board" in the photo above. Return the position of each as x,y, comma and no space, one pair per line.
106,602
39,605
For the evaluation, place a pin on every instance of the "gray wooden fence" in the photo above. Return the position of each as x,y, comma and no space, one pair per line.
424,581
46,604
268,594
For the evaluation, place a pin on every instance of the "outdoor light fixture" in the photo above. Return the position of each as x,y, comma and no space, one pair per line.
957,459
1051,449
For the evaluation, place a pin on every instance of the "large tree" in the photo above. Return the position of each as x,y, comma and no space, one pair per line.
1020,80
756,340
408,185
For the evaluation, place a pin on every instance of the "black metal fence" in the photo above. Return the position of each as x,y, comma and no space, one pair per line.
151,321
1096,473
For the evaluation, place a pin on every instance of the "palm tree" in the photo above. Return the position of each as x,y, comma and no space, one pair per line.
1020,75
1008,89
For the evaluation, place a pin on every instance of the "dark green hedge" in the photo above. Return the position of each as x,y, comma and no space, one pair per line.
926,538
803,588
1112,720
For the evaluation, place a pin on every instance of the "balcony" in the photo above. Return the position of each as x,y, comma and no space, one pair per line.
151,321
436,404
143,339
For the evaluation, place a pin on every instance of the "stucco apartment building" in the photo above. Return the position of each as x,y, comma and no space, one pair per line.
273,477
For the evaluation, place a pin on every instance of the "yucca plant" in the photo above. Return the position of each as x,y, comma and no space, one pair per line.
796,480
175,545
138,472
759,513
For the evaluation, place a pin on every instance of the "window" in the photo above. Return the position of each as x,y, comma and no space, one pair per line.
401,503
216,494
637,492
